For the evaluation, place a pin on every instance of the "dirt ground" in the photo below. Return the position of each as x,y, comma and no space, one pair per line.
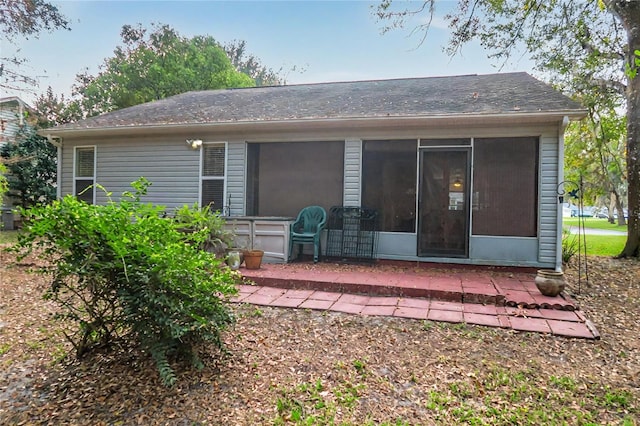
289,366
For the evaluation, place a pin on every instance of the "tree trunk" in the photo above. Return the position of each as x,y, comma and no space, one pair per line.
612,206
629,14
618,204
615,206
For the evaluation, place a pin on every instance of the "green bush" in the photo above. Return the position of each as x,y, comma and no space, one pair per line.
121,270
569,245
194,219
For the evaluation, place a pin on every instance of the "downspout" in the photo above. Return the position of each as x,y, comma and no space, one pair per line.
563,126
58,145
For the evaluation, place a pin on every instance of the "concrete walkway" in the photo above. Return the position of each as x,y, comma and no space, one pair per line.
594,231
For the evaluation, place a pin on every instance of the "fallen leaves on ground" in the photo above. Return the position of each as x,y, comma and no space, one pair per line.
288,366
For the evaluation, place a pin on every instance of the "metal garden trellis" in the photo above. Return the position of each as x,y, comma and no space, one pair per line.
576,193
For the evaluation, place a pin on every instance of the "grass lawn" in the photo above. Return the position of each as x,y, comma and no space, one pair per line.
604,245
600,245
8,237
593,222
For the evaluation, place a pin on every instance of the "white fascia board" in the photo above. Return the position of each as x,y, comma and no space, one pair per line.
319,123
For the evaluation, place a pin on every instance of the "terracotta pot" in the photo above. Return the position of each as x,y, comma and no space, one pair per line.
549,282
253,259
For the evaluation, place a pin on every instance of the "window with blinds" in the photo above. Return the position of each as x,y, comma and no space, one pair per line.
84,173
213,176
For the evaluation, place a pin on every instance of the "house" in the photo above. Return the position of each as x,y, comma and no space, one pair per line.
461,169
14,113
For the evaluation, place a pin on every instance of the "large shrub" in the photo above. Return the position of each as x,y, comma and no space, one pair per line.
121,270
31,165
3,182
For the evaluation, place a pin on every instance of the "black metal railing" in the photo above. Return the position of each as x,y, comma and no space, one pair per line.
352,234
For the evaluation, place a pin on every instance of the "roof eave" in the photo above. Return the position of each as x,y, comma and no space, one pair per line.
347,122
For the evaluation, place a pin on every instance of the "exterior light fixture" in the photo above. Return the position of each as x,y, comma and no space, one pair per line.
194,143
457,183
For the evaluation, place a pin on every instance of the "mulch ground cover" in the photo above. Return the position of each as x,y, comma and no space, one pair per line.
287,366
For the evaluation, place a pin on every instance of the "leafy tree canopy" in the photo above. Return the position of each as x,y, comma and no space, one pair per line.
52,110
250,65
152,65
24,18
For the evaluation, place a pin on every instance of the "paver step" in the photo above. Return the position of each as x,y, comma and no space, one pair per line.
548,321
438,290
465,286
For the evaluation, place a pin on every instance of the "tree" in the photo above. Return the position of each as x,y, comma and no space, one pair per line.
595,150
155,65
250,65
593,45
53,111
25,18
32,164
3,182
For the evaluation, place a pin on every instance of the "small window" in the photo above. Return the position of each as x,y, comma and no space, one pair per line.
84,173
213,176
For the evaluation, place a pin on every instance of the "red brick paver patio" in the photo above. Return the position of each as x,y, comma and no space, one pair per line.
487,297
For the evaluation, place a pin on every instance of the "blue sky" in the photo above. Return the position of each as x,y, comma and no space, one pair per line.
329,40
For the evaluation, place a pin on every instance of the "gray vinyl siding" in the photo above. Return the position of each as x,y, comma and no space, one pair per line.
548,199
352,172
173,168
170,165
66,178
236,160
11,122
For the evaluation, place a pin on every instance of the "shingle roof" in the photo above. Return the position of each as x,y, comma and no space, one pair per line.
412,97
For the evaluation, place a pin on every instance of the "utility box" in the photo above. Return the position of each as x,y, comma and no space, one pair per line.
7,219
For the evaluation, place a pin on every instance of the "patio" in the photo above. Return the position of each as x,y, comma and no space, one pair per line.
493,297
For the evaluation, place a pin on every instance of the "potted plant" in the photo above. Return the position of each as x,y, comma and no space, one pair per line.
550,282
253,258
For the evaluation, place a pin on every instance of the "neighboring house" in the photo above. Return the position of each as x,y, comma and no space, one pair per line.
14,114
461,169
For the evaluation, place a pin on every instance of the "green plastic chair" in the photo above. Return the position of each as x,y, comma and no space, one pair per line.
307,229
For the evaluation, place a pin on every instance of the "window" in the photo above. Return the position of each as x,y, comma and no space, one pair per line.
285,177
84,173
389,182
213,176
505,187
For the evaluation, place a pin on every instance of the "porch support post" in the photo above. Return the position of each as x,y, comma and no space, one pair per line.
352,189
58,145
562,128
